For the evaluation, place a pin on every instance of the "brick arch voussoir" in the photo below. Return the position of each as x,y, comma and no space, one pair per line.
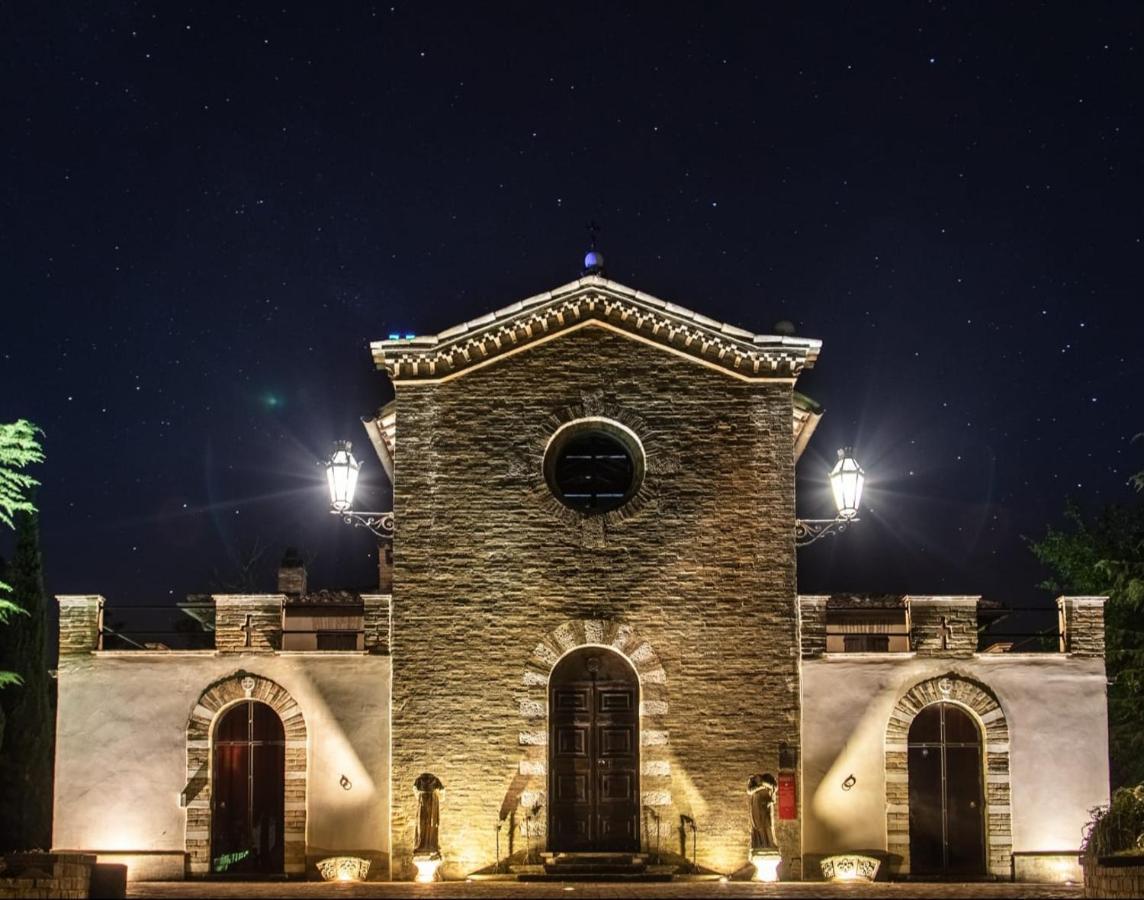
986,707
212,702
619,636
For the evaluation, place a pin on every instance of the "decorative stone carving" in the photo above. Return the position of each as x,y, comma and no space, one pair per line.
247,686
850,867
343,868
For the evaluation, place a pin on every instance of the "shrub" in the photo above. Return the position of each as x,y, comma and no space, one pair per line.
1117,828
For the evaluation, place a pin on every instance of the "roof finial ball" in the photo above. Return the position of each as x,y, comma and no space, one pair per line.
593,259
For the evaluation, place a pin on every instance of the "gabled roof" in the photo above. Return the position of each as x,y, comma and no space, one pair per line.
598,302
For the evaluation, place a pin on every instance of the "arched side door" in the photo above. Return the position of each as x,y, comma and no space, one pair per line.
248,791
947,802
593,747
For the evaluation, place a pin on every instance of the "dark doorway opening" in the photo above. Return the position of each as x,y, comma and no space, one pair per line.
248,791
947,803
593,754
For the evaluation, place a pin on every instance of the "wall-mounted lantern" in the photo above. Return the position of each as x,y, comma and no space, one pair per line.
341,477
846,481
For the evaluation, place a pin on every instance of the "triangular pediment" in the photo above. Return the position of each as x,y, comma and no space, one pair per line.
594,301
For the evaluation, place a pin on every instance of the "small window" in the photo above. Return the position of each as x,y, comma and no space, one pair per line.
594,466
333,640
866,643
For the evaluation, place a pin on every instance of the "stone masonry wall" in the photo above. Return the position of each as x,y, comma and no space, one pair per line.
813,624
81,619
487,565
376,622
953,617
56,875
247,622
1113,877
1082,625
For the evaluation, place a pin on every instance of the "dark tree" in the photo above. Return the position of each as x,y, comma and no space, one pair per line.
26,748
1104,555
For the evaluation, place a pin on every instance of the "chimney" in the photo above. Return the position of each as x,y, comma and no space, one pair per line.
292,573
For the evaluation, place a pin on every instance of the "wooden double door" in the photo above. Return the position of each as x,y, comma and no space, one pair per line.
248,791
947,821
593,747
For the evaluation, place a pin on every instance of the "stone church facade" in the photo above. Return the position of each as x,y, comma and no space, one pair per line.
585,668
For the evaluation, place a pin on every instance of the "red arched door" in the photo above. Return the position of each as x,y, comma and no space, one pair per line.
593,753
248,791
947,822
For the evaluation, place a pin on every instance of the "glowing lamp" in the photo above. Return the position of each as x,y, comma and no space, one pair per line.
766,863
343,868
427,866
846,480
341,476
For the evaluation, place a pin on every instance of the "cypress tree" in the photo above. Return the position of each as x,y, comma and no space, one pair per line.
26,747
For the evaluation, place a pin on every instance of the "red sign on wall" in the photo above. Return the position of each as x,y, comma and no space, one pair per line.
788,796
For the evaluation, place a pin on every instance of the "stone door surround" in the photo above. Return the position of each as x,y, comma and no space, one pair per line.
984,706
655,768
215,700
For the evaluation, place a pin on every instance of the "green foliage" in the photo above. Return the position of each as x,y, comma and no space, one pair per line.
19,448
1104,555
1116,829
26,747
26,703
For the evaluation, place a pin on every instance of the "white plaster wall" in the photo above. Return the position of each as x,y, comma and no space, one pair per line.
1058,729
121,757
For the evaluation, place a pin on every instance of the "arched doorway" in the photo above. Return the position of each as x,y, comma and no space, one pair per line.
947,825
593,753
248,769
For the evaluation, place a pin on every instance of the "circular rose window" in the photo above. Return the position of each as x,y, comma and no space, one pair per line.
594,465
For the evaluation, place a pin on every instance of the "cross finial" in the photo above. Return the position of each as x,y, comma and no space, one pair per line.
594,259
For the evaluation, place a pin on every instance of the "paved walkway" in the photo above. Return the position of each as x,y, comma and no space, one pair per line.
517,891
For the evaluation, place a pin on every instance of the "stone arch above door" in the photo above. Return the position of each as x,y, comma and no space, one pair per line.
218,697
986,708
655,769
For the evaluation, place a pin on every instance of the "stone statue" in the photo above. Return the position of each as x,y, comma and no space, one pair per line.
762,792
428,815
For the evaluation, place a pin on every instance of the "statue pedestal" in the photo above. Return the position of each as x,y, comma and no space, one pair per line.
766,863
427,865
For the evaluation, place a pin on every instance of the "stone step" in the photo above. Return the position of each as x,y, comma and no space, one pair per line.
594,859
592,869
614,877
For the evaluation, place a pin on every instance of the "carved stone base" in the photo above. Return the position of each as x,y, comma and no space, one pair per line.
427,865
766,863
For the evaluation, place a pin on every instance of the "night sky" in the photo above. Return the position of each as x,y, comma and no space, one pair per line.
208,212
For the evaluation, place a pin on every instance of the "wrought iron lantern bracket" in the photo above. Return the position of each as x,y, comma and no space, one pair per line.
807,531
380,523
